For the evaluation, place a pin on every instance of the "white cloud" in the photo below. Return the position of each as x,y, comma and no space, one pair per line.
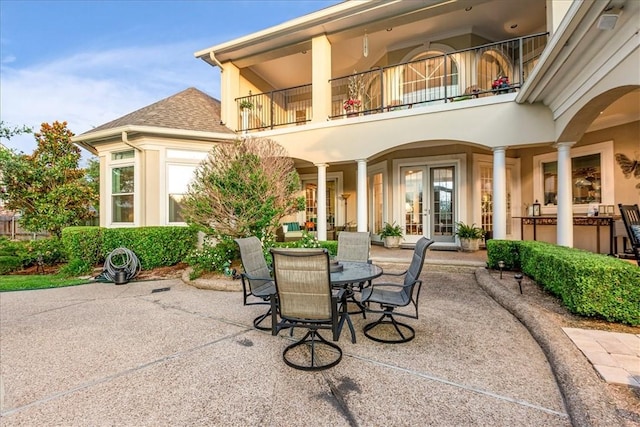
91,88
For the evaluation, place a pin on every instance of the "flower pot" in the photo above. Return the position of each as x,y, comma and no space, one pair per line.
392,242
352,114
469,245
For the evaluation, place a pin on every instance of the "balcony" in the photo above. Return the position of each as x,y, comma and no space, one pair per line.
452,77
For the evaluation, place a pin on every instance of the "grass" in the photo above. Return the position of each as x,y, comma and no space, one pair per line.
35,281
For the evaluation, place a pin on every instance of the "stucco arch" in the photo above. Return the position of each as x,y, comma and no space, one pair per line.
580,122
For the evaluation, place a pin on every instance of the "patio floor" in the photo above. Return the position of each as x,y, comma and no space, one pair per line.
102,354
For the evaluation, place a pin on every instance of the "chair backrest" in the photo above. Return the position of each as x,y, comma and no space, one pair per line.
353,246
303,283
631,219
417,261
253,262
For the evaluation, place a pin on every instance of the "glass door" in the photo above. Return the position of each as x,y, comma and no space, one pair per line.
442,207
429,203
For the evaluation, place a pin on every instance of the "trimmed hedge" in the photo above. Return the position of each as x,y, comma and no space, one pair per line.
154,246
588,284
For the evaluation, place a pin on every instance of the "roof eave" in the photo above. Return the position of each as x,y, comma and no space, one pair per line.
86,139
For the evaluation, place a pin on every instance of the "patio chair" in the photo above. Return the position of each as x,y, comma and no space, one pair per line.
257,283
354,246
392,295
305,299
631,219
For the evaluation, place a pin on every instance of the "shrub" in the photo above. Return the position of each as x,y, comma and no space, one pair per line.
588,284
76,267
83,243
9,263
213,257
154,246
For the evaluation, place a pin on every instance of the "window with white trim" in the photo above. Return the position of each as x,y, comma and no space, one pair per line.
122,186
591,177
181,168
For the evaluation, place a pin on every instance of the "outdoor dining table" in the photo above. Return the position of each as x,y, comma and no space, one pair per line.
354,272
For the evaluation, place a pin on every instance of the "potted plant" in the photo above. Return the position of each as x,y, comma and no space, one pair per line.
469,236
391,234
245,104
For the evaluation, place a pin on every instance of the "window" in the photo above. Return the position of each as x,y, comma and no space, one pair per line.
586,179
122,188
591,177
311,204
181,168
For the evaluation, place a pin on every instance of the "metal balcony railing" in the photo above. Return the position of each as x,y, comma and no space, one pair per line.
276,108
433,79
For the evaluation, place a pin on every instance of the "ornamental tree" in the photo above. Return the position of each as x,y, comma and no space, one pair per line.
48,188
243,188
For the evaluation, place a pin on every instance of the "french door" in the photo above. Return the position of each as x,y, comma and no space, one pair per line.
429,194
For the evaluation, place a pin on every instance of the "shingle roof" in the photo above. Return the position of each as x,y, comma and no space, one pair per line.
190,109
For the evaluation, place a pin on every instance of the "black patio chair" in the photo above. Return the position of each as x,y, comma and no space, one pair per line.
392,295
304,299
631,219
257,282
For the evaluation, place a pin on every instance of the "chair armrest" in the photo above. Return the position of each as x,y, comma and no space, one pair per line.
387,285
392,273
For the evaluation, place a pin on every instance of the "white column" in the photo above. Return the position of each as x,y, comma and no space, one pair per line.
499,193
320,76
564,233
361,204
321,224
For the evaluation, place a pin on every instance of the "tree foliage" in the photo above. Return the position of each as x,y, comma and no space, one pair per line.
48,188
242,189
8,132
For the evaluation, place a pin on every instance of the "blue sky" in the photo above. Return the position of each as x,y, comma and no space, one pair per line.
89,62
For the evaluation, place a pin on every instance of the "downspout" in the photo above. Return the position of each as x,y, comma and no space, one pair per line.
213,58
125,140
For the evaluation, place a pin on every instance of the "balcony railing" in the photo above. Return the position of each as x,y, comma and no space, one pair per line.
276,108
433,79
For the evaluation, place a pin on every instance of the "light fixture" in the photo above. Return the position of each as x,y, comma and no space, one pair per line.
365,44
607,21
468,8
501,266
518,278
514,26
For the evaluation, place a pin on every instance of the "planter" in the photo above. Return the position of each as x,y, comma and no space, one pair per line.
469,245
392,241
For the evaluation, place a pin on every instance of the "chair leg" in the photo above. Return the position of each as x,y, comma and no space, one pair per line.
408,334
259,319
312,339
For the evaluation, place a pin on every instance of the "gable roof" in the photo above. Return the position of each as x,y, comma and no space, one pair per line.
190,109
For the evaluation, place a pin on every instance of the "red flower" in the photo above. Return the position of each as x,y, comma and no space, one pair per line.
352,104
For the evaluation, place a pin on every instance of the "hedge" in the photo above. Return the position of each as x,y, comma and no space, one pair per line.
154,246
588,284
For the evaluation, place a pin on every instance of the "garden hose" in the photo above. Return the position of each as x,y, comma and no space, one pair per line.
119,261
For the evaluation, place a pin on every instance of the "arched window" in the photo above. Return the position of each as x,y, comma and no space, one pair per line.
430,76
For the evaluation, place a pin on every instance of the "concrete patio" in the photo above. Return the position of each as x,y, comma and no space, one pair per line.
139,355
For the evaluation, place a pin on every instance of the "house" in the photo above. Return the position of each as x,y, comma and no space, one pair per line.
426,113
148,157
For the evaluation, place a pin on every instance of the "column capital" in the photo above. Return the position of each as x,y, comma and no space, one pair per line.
503,148
321,165
564,144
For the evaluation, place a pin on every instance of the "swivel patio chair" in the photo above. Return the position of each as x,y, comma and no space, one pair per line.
392,295
305,299
354,246
631,219
257,283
